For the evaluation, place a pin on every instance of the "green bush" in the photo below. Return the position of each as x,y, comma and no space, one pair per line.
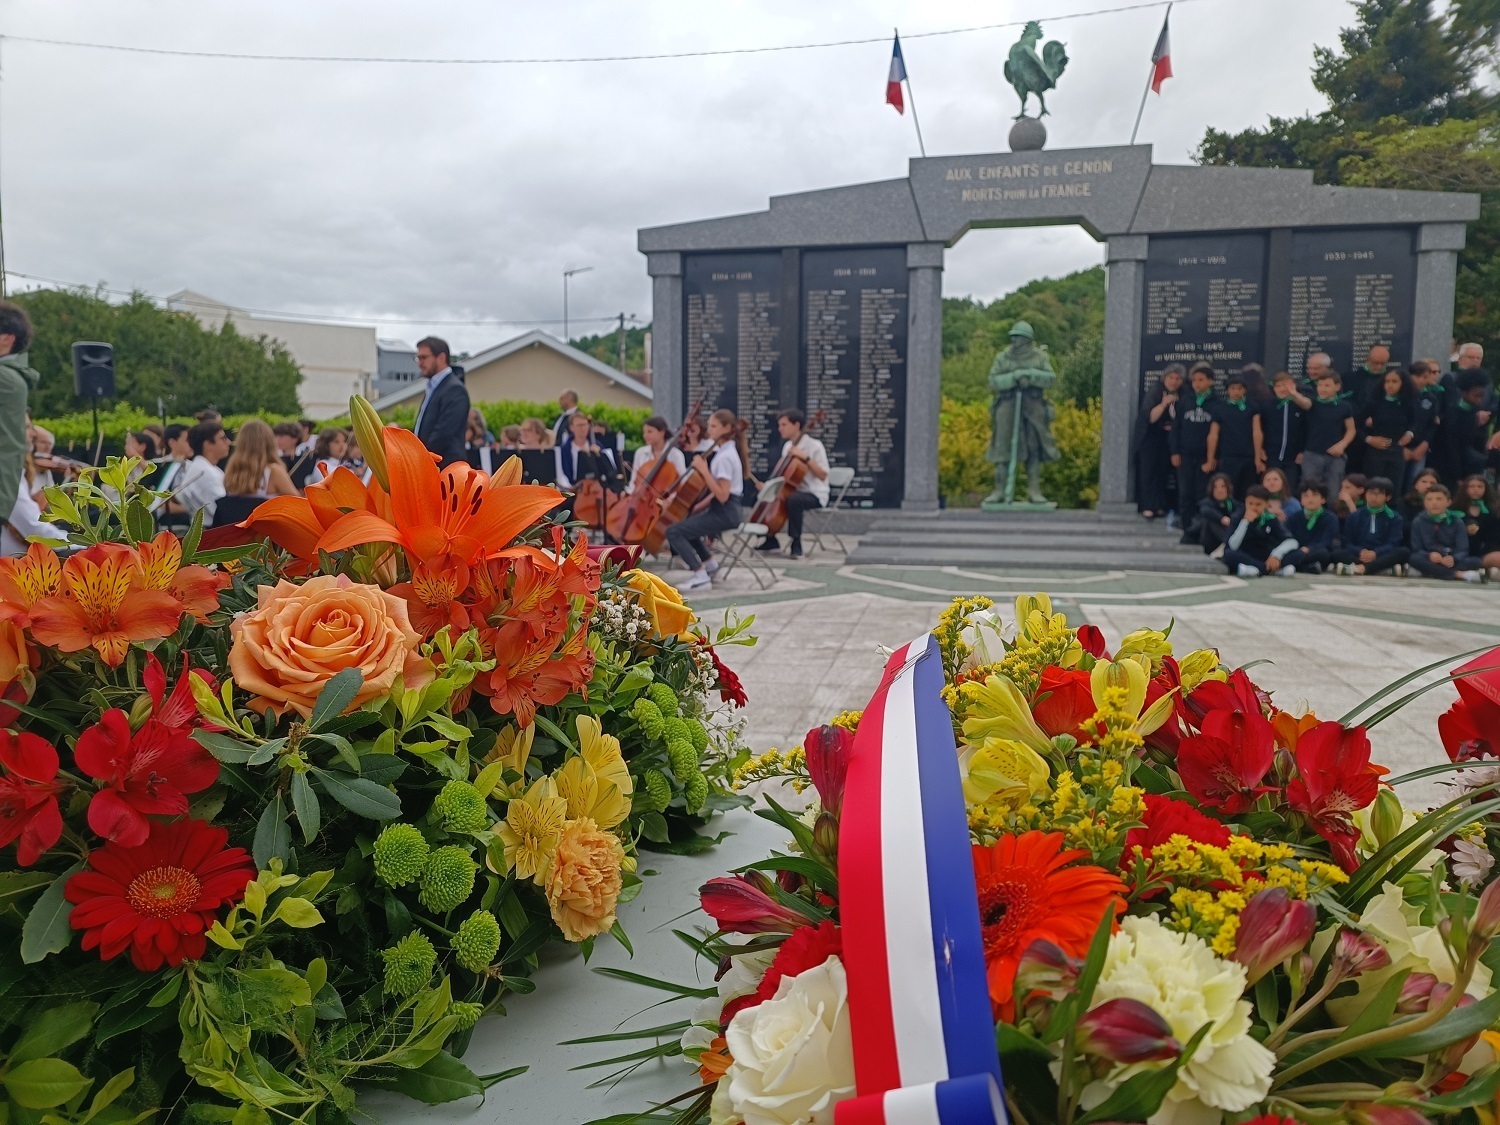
965,477
626,420
76,431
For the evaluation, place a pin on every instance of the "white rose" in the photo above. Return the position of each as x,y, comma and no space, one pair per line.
793,1055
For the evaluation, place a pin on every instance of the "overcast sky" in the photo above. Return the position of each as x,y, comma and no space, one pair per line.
460,193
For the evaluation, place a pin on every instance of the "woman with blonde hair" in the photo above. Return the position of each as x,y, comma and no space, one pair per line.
535,435
255,468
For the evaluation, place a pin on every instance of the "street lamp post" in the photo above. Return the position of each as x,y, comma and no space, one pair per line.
567,274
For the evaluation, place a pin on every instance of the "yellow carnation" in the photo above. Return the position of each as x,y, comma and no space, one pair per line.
583,881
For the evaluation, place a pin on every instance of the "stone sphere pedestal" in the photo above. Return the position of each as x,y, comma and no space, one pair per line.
1027,135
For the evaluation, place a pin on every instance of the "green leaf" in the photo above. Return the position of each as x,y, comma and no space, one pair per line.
382,769
555,731
654,828
1141,1095
194,536
1379,1010
53,1030
814,871
1011,1040
336,696
662,985
1066,1014
305,804
1478,1090
138,522
109,1092
617,932
14,884
360,795
46,929
1457,1025
273,836
297,913
440,1079
43,1083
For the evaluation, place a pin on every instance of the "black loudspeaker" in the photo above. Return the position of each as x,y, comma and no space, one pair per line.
93,370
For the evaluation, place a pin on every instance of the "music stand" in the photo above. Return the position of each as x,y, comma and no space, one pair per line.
538,465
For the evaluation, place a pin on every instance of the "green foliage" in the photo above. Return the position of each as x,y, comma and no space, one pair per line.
625,420
605,347
1080,371
964,476
157,353
76,431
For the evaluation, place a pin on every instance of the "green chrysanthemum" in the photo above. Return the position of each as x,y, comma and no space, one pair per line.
408,964
664,697
399,854
468,1013
695,791
684,761
460,808
675,729
697,735
648,715
447,879
476,941
658,790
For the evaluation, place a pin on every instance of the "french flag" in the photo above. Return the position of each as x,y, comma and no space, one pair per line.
897,76
1161,57
923,1034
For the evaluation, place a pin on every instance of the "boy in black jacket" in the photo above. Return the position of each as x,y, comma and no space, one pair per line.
1372,534
1330,432
1427,412
1440,541
1234,437
1259,543
1189,445
1465,430
1283,428
1315,529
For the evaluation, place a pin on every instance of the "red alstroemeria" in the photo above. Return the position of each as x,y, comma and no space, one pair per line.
28,795
806,948
742,904
1224,765
177,710
1165,818
146,773
102,603
827,750
160,898
1334,781
1091,637
527,676
1064,702
19,661
1127,1031
1471,727
195,587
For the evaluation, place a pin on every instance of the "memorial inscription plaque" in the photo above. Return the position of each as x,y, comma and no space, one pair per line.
1205,299
1351,289
854,332
732,325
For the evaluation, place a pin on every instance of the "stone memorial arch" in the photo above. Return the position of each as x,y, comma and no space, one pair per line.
832,300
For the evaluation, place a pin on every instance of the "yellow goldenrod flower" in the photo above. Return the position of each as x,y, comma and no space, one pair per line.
532,827
997,709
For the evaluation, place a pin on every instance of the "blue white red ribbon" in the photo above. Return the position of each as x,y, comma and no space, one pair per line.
924,1037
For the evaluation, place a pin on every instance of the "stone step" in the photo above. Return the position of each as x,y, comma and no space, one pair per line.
1042,533
1042,558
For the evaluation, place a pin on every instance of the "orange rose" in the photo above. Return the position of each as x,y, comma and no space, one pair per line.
583,883
18,664
298,637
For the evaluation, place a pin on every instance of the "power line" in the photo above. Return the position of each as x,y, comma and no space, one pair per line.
320,317
243,56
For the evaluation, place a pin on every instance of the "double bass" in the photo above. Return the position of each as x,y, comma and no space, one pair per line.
792,471
637,518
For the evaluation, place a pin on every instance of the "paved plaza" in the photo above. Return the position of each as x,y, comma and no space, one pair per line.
1331,641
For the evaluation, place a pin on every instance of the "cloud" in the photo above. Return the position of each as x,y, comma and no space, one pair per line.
460,193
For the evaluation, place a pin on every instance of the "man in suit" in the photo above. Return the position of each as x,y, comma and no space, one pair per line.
567,402
443,417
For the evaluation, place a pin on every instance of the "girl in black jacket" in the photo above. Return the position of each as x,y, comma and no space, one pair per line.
1216,512
1481,511
1387,421
1153,445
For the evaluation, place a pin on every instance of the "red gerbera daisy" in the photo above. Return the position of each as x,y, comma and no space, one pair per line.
157,900
1028,892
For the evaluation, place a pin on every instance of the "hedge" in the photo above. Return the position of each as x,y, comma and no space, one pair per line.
965,477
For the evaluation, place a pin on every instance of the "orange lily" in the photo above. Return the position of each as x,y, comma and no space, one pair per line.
196,588
455,517
297,523
103,602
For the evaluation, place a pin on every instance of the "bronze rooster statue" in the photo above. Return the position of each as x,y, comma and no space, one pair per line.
1030,73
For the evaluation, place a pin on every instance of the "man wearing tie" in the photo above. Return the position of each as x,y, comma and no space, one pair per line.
444,414
567,402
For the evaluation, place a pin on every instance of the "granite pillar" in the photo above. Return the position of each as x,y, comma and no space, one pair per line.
1438,245
924,364
668,364
1124,315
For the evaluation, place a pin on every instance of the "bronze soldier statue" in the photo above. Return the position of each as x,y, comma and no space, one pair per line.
1021,416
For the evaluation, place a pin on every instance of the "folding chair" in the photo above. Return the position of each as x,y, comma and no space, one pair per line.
740,543
839,479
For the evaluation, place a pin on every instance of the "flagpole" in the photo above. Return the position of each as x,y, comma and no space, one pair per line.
1141,112
911,94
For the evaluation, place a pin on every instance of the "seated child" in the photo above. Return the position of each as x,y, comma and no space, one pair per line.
1481,509
1315,529
1411,504
1351,495
1439,541
1283,503
1372,534
1259,542
1216,514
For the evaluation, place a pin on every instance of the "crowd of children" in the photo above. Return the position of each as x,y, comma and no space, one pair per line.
1388,472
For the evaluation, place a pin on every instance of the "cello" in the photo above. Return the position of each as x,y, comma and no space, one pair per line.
636,519
693,491
792,471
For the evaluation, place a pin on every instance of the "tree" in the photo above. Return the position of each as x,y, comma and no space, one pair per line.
158,354
606,347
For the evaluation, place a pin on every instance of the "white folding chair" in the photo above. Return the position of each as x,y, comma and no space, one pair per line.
839,479
739,544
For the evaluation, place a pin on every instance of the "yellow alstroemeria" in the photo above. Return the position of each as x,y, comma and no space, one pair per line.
1197,666
589,795
670,617
997,709
602,752
532,827
1131,675
513,749
1003,768
1150,643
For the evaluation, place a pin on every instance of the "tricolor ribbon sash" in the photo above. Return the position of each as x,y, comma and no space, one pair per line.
924,1037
